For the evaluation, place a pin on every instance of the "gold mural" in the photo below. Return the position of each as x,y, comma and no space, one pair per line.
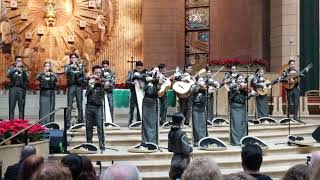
49,30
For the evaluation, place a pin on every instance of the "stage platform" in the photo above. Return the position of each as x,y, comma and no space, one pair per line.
278,158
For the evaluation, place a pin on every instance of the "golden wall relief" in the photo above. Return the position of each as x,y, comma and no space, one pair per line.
49,30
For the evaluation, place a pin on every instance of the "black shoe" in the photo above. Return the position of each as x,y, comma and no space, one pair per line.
102,148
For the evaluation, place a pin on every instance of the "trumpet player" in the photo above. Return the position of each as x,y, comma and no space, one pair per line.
150,108
199,102
75,78
48,81
239,93
18,76
94,106
110,82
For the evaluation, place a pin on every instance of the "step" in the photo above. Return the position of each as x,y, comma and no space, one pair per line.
231,152
216,130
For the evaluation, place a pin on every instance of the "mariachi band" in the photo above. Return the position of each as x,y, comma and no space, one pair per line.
195,92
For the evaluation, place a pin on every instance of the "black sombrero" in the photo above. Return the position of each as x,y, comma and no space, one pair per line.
110,125
298,140
253,122
78,127
147,147
52,125
219,121
211,144
135,125
84,148
285,121
253,140
267,121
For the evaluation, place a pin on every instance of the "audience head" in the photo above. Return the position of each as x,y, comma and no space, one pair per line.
298,172
52,171
315,159
74,163
29,166
27,151
177,168
121,172
238,176
88,172
177,119
251,156
202,169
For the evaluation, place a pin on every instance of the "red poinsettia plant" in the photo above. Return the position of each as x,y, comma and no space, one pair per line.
120,86
9,128
238,62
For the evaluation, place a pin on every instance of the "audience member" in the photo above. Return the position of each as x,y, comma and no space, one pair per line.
238,176
251,156
202,169
121,172
298,172
52,171
178,144
74,163
29,166
315,159
13,171
87,172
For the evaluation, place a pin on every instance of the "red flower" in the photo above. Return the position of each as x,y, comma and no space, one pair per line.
36,129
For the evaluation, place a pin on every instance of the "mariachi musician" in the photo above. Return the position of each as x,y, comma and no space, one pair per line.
213,85
132,78
48,81
18,76
185,103
261,100
230,76
163,98
199,102
239,93
75,77
150,108
293,92
94,107
110,82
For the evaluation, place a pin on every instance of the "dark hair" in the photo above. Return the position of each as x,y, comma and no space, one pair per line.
177,118
52,171
239,75
74,163
30,166
251,156
27,151
73,54
298,172
16,57
87,172
177,167
105,62
291,60
161,66
186,66
96,67
139,63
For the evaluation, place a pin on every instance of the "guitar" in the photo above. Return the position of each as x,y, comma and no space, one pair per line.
293,75
266,86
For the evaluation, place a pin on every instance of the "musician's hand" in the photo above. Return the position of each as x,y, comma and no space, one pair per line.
253,93
291,81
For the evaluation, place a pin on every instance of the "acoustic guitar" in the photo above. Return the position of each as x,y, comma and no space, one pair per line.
293,75
266,86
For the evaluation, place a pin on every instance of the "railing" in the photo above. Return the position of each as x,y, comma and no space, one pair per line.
25,130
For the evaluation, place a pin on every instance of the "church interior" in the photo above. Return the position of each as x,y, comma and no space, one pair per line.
214,35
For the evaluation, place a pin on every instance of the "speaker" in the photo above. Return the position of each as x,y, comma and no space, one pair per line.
316,134
55,141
